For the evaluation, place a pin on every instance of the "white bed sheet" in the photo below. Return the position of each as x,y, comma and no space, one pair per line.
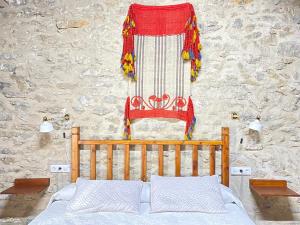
55,215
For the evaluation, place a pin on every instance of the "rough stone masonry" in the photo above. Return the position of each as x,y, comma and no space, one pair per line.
64,56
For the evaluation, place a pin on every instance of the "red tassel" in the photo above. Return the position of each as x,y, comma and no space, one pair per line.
191,120
127,132
191,48
128,57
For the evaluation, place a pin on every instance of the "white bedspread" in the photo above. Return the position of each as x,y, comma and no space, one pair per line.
55,215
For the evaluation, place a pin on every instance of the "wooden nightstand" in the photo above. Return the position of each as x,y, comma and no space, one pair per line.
28,186
271,188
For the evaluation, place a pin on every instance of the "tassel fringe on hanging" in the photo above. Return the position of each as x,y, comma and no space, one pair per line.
192,46
128,56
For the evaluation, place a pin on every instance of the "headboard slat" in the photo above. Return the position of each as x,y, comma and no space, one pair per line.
160,160
93,162
127,162
195,160
144,163
177,161
109,162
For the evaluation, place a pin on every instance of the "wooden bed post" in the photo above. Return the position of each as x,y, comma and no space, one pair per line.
225,156
75,154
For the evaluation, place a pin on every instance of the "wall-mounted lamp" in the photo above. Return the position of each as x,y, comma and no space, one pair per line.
67,117
47,126
235,116
256,125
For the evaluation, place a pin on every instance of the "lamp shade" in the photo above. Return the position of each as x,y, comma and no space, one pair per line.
46,127
255,125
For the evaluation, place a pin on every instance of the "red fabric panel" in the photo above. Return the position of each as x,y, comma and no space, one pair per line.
158,113
188,116
160,20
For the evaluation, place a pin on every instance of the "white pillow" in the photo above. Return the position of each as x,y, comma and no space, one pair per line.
229,197
227,194
65,194
186,194
105,196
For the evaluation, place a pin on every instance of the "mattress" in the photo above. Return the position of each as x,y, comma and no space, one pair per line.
55,215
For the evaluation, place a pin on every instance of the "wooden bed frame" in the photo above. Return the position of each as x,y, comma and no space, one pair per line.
213,144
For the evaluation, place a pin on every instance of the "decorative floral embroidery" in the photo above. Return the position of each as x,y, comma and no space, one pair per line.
155,102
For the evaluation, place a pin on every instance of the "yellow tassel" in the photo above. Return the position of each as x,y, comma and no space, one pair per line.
125,68
194,36
126,57
125,32
193,73
130,68
199,46
185,55
130,58
127,19
128,122
198,63
132,23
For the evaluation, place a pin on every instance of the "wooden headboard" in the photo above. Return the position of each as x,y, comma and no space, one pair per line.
222,144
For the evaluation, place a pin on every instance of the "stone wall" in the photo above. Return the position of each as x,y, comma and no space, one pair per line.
63,56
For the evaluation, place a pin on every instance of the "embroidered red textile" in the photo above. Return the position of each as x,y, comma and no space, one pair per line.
167,28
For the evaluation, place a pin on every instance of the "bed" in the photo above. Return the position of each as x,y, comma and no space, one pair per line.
234,214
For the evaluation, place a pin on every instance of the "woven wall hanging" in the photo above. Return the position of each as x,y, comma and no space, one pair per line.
157,42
